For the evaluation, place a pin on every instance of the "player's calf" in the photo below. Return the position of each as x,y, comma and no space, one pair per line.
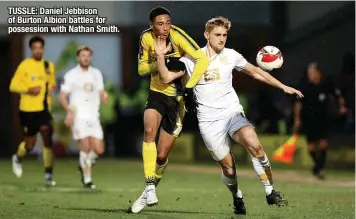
23,148
46,132
97,149
85,163
229,177
248,138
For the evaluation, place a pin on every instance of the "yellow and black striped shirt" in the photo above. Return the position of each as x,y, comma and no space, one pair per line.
32,73
181,44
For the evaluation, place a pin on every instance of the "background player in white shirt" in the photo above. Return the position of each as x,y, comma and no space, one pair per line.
220,113
85,87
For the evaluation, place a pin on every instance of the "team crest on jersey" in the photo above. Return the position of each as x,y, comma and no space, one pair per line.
33,78
88,87
212,75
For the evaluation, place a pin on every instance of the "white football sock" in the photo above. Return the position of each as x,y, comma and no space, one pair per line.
232,185
93,155
82,159
263,170
87,177
85,162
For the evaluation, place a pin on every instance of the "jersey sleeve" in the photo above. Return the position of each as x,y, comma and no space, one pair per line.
145,67
52,80
66,85
189,64
190,47
240,61
101,85
17,83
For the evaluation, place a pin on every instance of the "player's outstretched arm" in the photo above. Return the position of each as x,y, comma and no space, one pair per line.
189,46
145,66
165,75
265,77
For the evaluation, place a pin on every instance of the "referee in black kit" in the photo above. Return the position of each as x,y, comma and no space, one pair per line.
312,114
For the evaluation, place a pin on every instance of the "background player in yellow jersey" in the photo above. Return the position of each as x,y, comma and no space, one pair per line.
34,80
165,105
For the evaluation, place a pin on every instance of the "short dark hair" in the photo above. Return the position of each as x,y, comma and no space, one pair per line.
157,12
36,39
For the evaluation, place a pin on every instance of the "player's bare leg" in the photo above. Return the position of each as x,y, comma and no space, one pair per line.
24,147
152,120
85,163
46,133
229,177
97,146
165,144
247,137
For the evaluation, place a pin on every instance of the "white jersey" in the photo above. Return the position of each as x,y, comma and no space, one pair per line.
84,91
216,98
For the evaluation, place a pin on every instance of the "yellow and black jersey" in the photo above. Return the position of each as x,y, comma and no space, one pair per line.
181,44
33,73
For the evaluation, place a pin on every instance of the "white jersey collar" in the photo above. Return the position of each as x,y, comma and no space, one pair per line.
80,69
205,49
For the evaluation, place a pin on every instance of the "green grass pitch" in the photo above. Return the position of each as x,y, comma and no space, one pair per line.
186,191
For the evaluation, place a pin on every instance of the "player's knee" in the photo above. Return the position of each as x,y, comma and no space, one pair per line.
46,133
45,128
30,143
229,171
149,133
257,150
162,157
99,150
84,145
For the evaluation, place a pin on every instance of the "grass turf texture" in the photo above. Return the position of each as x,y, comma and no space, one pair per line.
186,191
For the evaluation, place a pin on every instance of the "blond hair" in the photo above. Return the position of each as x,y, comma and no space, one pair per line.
219,21
84,48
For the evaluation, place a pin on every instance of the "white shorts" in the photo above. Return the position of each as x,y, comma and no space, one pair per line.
216,134
84,128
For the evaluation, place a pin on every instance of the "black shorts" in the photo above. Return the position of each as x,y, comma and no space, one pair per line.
316,130
32,121
171,109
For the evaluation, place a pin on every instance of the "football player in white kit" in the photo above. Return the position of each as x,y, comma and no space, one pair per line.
220,113
85,87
